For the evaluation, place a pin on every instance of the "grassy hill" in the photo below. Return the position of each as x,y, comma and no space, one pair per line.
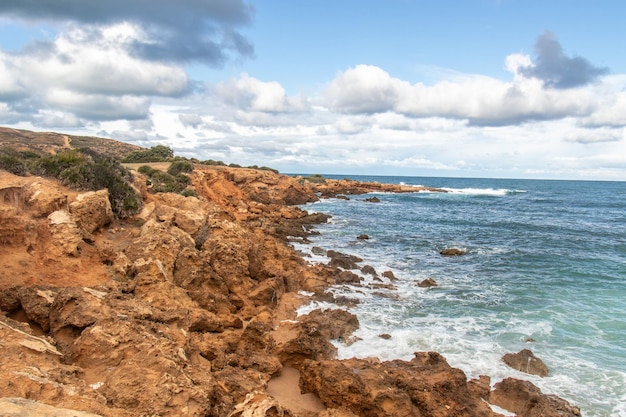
50,142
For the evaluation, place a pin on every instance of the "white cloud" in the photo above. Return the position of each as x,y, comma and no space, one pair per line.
366,89
89,73
250,94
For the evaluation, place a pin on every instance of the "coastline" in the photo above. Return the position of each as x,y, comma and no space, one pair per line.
189,309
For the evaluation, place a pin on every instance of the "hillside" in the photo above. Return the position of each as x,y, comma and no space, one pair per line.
50,142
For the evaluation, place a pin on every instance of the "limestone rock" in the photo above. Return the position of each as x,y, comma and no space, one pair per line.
427,283
526,400
65,234
92,210
526,361
426,385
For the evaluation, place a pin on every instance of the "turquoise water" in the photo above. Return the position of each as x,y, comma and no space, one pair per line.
545,260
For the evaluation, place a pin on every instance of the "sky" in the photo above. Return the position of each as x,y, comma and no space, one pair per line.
464,88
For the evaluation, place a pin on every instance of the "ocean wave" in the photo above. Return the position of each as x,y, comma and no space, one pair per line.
494,192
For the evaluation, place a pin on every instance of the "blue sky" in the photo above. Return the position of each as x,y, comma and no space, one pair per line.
477,88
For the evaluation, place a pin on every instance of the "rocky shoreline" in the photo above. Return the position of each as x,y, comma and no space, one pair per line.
188,309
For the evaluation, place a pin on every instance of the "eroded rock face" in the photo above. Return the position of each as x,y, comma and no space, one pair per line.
424,386
189,308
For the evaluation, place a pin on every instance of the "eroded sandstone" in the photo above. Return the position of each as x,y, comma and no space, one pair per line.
189,308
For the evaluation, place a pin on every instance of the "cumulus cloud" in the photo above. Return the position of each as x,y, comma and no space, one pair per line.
250,94
556,69
480,100
364,89
93,78
178,31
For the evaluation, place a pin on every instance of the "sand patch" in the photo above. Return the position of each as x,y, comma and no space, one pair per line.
286,390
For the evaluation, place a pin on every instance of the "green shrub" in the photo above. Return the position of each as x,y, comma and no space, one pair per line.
212,162
158,153
316,179
189,193
146,170
53,165
179,167
10,161
86,169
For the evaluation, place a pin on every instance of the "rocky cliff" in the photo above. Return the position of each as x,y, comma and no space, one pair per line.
188,309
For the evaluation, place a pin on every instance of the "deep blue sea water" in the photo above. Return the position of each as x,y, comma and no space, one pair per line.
545,260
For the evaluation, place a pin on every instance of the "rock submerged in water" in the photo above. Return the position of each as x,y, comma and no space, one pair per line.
452,252
526,361
427,283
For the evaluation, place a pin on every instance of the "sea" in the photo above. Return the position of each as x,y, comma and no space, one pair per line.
544,269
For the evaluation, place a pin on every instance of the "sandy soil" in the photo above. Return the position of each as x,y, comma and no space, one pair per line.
286,390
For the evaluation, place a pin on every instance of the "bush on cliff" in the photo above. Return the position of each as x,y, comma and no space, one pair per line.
314,178
10,161
179,167
158,153
85,169
173,181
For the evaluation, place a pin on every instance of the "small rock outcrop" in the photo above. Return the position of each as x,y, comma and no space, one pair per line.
526,361
452,252
526,400
427,283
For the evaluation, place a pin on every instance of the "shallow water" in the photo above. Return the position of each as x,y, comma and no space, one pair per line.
545,260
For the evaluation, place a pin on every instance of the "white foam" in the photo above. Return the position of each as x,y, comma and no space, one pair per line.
495,192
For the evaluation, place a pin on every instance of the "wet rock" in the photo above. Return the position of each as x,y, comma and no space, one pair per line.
452,252
316,250
389,275
369,270
385,336
373,200
342,260
526,400
526,361
427,283
363,237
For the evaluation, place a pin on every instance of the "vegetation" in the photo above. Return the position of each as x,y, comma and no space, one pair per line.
10,160
158,153
315,178
82,169
172,181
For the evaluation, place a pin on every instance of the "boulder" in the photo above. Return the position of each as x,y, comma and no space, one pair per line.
389,275
92,210
452,252
424,386
526,400
342,260
369,270
526,361
427,283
